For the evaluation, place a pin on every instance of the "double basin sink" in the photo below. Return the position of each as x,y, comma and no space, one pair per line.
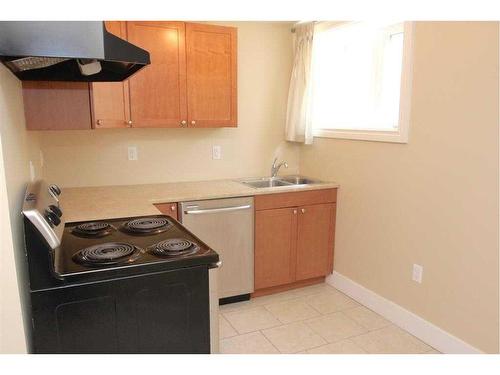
271,182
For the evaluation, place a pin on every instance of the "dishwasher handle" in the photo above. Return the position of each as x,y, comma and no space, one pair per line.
214,210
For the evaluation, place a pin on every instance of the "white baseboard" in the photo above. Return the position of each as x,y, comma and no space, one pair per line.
421,328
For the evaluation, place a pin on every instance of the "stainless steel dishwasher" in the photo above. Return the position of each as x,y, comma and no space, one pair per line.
227,226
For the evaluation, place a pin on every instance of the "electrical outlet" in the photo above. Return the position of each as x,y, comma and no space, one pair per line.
416,275
32,171
132,153
216,152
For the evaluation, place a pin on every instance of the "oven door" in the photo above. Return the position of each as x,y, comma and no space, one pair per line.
165,312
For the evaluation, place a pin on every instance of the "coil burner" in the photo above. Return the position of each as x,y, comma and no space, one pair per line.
93,229
174,247
147,225
106,254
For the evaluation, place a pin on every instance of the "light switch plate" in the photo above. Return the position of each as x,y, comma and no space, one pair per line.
132,153
216,152
417,272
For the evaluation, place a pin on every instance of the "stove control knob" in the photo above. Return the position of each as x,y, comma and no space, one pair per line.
54,189
52,218
55,210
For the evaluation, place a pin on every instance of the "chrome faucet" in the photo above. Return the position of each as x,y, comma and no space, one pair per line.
275,168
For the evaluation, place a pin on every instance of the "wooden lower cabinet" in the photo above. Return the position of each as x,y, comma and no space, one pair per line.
169,209
315,238
293,244
275,245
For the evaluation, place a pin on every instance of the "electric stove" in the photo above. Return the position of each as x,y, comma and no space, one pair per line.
124,285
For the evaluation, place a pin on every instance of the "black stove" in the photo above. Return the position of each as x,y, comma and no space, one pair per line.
125,285
127,246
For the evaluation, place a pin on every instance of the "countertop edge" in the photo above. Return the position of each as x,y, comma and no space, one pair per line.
111,202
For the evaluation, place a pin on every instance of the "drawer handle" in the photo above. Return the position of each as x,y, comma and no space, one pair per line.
303,210
214,210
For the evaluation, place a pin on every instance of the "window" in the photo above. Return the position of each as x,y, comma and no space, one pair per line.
361,80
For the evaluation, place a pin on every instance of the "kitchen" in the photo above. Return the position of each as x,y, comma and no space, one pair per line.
366,191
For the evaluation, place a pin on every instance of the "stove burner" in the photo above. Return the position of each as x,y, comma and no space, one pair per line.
93,229
174,247
108,253
147,225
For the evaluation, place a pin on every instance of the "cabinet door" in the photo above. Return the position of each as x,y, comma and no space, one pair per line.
275,247
211,75
56,105
158,91
169,209
110,100
315,238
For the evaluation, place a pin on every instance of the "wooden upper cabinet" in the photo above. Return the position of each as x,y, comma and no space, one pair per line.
56,105
110,100
158,91
191,82
211,75
315,238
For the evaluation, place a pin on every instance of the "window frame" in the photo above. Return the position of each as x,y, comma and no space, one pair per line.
402,134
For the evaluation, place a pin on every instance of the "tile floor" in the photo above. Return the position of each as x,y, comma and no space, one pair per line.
317,319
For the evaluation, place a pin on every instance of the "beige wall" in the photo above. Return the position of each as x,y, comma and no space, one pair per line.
82,158
433,201
17,148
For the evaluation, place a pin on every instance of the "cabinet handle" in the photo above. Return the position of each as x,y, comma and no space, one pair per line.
172,207
99,122
129,123
303,210
295,212
193,123
183,123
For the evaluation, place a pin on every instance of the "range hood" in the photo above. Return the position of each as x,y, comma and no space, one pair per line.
67,51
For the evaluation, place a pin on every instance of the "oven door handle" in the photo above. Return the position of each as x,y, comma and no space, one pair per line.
214,210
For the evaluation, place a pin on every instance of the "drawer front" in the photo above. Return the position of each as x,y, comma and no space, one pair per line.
295,199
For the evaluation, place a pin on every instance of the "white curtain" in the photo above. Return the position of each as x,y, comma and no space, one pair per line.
298,116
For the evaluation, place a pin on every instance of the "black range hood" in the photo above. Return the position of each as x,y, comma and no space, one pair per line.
67,51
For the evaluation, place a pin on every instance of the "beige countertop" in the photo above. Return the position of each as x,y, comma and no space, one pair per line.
108,202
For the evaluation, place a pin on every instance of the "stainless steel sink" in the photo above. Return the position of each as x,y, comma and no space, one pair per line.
265,182
298,180
268,182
